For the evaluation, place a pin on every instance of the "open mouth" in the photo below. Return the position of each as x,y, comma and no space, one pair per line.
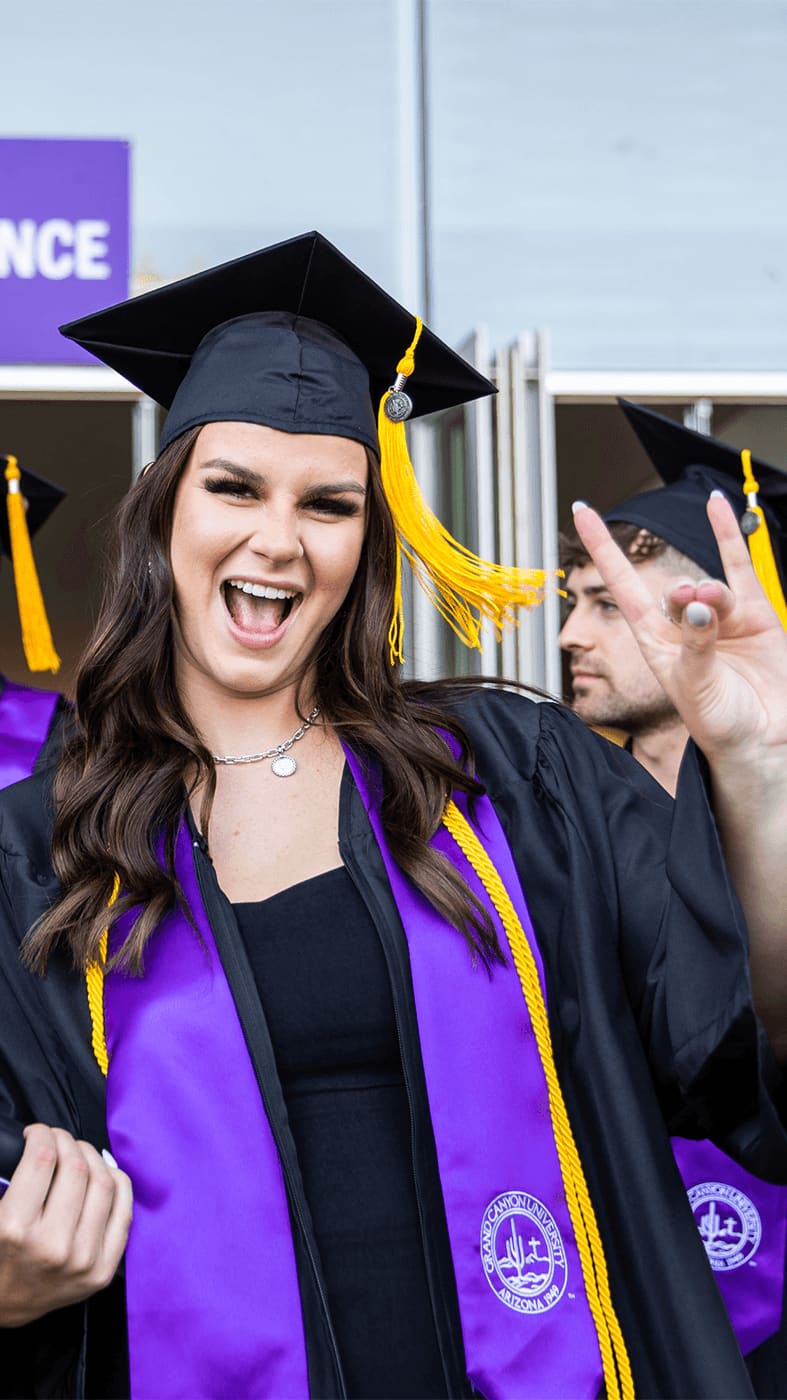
257,608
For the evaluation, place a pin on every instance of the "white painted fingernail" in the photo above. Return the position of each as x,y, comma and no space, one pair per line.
578,505
698,615
717,492
109,1159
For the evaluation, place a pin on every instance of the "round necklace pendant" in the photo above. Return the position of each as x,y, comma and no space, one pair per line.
283,765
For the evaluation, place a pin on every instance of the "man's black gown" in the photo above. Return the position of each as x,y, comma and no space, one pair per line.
645,952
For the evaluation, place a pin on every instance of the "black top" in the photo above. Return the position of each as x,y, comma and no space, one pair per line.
323,982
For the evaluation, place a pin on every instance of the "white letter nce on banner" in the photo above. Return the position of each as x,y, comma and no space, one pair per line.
55,249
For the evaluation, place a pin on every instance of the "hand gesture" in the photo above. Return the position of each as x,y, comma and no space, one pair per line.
718,649
64,1221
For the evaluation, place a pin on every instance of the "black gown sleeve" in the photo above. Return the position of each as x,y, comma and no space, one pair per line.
45,1357
681,939
46,1076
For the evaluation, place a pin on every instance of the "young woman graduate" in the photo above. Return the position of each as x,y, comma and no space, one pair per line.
29,718
385,997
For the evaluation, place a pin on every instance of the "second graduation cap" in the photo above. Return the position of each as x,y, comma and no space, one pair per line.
30,500
297,338
691,466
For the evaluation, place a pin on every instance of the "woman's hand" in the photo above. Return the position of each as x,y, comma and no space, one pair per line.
64,1221
720,651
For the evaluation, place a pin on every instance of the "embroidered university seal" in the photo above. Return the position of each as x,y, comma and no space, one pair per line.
728,1222
522,1253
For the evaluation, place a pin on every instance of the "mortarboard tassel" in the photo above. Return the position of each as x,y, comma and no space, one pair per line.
39,649
754,526
455,580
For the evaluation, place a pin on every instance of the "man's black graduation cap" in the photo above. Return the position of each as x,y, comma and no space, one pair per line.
276,338
296,337
691,466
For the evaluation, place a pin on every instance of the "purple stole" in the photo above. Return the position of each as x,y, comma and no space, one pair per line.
212,1291
211,1285
743,1224
25,717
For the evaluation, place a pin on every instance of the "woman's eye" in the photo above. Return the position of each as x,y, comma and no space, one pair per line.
331,505
607,606
228,486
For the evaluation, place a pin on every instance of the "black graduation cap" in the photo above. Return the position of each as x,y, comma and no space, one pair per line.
41,496
294,336
691,466
30,500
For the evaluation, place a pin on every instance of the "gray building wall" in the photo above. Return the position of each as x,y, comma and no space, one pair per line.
611,169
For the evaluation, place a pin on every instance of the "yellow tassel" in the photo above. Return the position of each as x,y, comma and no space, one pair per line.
760,547
40,653
455,580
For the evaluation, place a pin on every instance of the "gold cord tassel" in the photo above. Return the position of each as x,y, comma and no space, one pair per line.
760,547
39,649
455,580
94,983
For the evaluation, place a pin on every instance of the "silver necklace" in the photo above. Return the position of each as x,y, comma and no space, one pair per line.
283,764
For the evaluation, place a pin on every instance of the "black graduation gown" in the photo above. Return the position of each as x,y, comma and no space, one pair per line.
645,952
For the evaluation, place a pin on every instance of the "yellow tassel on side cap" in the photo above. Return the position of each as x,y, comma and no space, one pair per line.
456,581
39,649
760,546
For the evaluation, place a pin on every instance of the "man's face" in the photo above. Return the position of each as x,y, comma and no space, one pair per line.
612,684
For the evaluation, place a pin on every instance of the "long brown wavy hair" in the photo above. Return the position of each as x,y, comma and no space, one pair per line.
133,757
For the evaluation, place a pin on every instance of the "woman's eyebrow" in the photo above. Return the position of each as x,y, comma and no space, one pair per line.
243,473
252,478
335,488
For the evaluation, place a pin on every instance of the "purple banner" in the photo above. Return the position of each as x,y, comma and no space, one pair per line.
64,242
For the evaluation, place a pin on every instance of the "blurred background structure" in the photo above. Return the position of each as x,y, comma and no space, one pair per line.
587,196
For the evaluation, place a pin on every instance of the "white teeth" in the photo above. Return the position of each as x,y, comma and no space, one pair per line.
260,590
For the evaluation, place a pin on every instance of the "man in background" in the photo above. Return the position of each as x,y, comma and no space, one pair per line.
612,686
29,718
666,535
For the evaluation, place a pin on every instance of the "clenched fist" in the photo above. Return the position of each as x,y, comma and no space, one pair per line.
64,1221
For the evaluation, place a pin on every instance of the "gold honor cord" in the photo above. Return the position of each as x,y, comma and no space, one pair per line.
94,979
618,1379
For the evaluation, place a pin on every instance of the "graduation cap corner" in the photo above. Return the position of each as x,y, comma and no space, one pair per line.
691,465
